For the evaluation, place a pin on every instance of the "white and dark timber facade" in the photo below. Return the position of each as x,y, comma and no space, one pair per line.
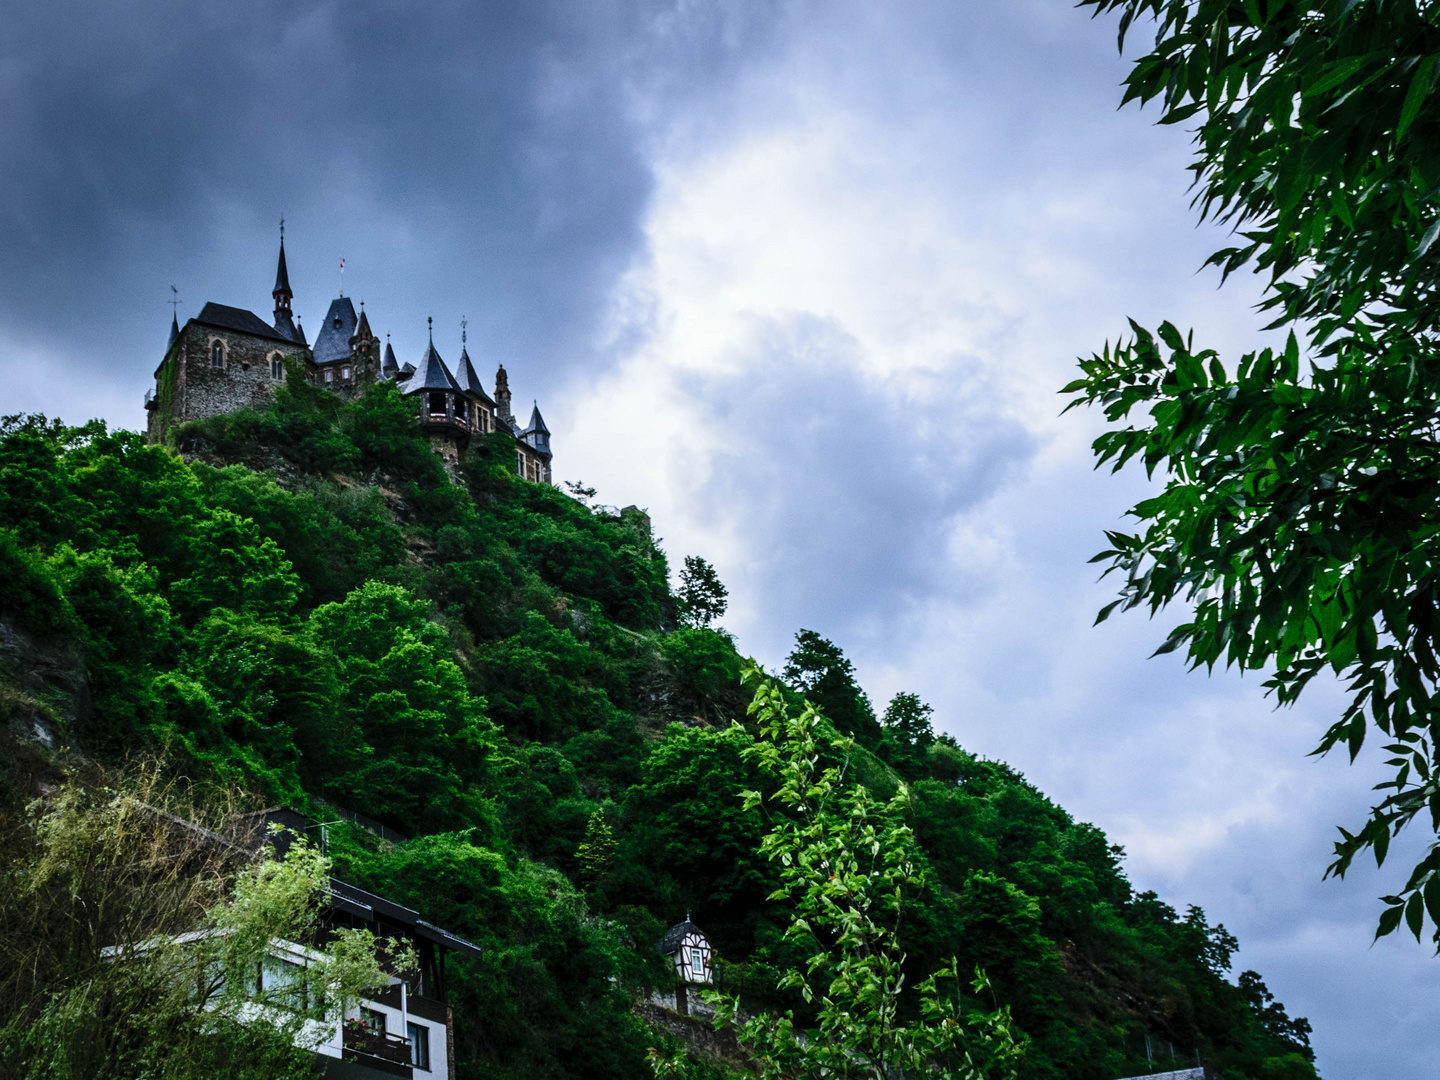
228,358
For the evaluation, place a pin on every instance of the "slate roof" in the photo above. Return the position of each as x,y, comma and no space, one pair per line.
537,422
286,326
241,321
363,330
390,363
174,332
468,380
432,374
366,905
676,934
282,276
333,341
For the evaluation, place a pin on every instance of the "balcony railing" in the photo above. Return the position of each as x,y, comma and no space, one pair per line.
363,1039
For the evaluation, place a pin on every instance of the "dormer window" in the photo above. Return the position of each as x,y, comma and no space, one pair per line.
217,355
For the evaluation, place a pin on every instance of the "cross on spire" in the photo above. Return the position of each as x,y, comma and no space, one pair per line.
282,229
174,301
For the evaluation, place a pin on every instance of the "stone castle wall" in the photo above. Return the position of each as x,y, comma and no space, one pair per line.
245,382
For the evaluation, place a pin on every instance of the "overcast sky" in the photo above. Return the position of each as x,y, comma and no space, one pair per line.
801,278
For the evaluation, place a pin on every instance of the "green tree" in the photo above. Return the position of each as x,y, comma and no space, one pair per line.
818,669
848,867
1301,499
596,854
702,596
130,940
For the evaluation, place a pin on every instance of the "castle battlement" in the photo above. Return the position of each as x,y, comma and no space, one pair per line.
228,358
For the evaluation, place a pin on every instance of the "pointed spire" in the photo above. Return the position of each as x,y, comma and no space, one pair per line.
282,292
284,322
174,331
362,332
502,398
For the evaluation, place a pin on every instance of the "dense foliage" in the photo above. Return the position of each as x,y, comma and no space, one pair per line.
1302,500
130,941
308,605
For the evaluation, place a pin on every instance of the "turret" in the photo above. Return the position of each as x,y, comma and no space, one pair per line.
502,400
284,322
537,434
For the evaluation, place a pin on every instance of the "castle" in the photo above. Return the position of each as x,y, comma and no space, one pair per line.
227,358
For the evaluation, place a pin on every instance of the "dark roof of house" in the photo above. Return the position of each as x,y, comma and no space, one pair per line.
355,901
432,374
333,341
468,380
241,322
390,363
351,899
363,330
676,934
174,331
537,423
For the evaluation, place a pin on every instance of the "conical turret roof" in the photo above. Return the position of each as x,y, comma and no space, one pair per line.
537,422
174,331
431,374
468,380
282,275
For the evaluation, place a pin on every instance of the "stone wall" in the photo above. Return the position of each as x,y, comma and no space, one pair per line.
246,380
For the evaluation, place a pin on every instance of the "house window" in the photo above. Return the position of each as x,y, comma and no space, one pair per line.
345,373
462,411
329,374
419,1036
520,463
277,367
697,962
217,355
373,1020
437,404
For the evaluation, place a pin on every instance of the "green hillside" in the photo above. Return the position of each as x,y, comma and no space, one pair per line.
314,609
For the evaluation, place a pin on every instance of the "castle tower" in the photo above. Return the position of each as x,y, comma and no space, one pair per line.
365,352
502,401
482,410
284,321
444,409
390,368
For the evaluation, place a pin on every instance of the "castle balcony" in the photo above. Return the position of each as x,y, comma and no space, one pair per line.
444,413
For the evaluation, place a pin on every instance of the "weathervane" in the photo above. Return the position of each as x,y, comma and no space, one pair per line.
174,301
282,230
463,324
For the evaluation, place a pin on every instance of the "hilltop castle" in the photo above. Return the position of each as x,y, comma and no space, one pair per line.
227,358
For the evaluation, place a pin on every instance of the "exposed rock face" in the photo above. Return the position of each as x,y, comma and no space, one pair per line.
44,692
704,1040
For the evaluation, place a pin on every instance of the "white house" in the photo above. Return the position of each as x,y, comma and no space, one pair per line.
692,955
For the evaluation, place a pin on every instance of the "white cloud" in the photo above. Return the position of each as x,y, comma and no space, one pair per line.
862,289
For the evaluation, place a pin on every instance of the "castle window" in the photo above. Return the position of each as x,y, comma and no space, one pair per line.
277,367
217,355
345,373
329,374
437,404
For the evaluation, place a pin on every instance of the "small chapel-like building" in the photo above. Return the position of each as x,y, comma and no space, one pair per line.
693,957
228,358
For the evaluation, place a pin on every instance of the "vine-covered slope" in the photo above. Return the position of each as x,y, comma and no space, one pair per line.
307,604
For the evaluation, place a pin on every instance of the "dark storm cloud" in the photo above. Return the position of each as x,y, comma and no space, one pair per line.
852,483
484,160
